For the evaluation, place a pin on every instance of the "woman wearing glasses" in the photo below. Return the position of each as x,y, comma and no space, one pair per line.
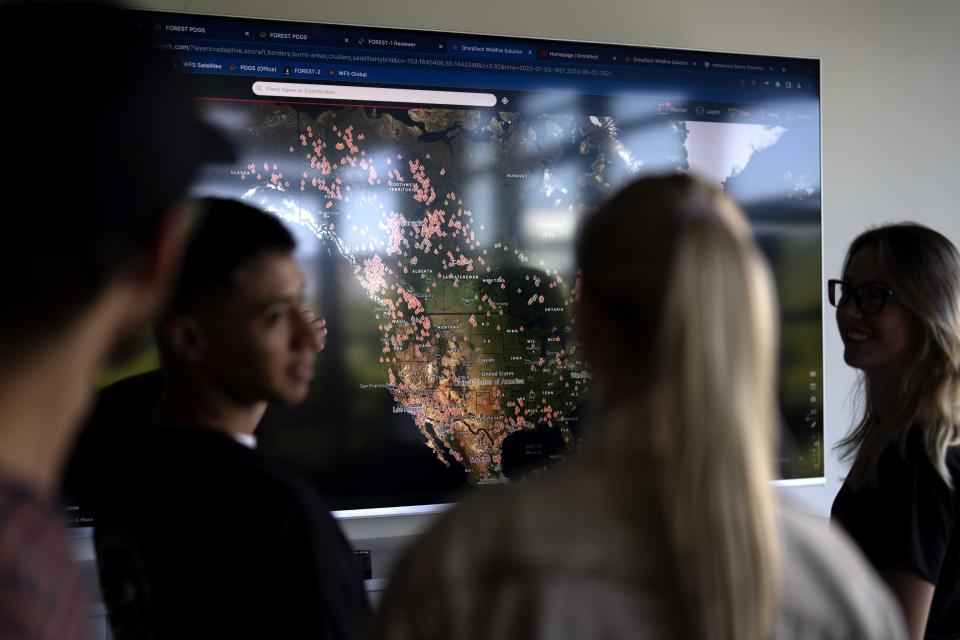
665,525
898,311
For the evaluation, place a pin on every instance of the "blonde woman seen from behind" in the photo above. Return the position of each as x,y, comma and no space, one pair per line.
665,524
898,312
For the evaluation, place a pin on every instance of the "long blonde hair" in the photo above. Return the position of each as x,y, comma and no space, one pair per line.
670,263
923,268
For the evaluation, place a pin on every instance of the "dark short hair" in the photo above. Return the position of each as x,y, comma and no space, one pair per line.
105,143
230,234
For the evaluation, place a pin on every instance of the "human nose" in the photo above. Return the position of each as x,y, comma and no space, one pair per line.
305,335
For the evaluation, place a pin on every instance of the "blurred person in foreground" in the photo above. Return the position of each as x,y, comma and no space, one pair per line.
93,229
665,525
898,312
197,533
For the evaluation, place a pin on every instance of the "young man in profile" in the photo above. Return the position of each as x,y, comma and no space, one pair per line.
197,533
99,145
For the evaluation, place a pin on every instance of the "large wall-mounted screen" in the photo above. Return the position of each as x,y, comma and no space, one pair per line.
434,182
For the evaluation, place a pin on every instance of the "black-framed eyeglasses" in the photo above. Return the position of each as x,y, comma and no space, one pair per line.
869,298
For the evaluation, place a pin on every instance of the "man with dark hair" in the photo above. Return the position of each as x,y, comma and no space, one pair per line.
95,166
197,533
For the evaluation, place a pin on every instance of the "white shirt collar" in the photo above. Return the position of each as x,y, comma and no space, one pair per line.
246,439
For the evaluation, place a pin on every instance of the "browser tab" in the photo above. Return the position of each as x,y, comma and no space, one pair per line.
288,35
389,41
480,49
181,28
552,52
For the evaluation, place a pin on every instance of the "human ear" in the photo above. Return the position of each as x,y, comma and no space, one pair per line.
184,337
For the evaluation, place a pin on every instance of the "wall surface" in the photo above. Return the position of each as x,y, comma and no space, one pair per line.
890,142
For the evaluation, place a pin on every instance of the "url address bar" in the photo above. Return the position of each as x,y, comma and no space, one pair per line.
373,94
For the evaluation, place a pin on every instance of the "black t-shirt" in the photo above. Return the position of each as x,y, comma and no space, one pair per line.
198,536
202,537
909,519
105,440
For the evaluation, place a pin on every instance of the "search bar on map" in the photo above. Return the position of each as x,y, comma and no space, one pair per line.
372,94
